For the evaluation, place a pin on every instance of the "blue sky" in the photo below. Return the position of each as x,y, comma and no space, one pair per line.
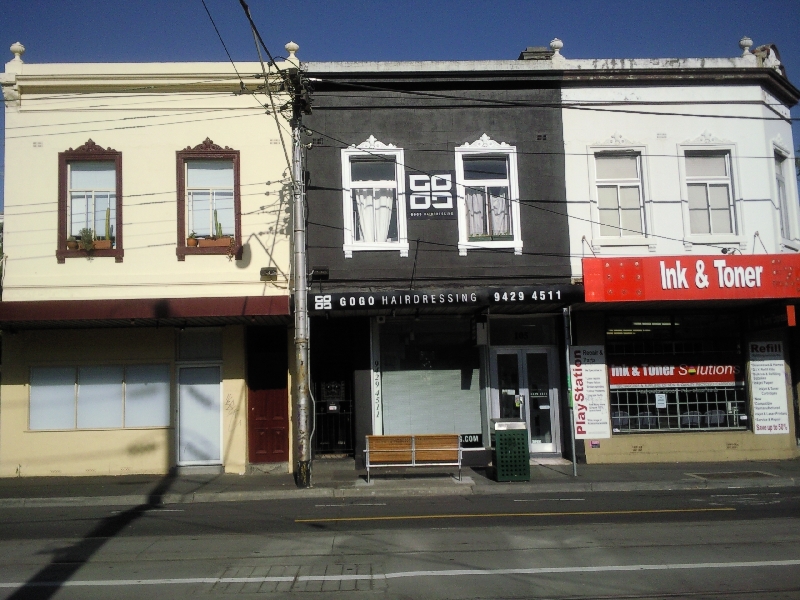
179,30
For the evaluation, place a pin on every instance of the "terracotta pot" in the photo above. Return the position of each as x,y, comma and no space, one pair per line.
72,245
222,242
191,242
102,244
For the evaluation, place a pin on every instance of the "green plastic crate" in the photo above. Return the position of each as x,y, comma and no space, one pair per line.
511,456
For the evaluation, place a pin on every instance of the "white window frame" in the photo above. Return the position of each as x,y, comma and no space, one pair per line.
789,239
488,147
599,240
372,148
711,147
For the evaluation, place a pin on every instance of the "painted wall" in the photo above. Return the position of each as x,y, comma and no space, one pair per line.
429,130
660,135
110,451
147,112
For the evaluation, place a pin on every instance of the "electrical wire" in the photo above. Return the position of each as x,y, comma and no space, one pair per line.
526,104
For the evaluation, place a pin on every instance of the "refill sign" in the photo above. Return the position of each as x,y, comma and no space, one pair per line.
768,385
589,379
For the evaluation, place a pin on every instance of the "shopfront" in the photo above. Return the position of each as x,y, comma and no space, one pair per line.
451,369
695,357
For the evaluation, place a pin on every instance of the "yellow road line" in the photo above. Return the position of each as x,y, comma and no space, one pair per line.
525,514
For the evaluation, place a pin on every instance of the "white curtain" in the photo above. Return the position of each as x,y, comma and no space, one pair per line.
475,207
501,220
374,207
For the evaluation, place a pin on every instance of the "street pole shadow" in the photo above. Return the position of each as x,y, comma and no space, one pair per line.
67,561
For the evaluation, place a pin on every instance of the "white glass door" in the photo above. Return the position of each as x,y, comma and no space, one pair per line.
525,386
199,416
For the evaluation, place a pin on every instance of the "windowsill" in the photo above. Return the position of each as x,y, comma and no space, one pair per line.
401,247
183,251
793,245
633,240
82,429
464,247
715,240
116,253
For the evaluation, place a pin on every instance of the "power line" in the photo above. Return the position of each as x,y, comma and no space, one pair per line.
552,105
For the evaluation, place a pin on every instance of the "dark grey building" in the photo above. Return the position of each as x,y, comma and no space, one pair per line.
439,252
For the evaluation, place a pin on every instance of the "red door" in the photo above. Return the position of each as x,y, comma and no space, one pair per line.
268,425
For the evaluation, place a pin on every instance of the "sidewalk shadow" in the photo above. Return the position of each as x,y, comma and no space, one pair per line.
67,561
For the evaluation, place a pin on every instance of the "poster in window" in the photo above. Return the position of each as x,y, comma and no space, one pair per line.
768,388
589,384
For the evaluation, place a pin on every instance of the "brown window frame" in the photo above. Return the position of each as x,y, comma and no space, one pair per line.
89,151
208,150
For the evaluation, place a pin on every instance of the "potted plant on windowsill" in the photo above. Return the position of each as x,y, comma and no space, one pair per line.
106,242
72,243
191,241
218,240
86,241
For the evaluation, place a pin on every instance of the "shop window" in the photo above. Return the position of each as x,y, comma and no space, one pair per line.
373,200
780,190
619,194
209,203
99,397
675,373
90,203
709,192
488,198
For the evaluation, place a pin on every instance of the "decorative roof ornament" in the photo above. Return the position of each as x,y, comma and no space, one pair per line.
207,146
292,48
91,146
372,144
745,43
556,45
17,50
485,142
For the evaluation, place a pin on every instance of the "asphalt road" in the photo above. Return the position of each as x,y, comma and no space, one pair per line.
701,544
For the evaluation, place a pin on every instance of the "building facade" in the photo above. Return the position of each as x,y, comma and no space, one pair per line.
684,229
146,277
438,251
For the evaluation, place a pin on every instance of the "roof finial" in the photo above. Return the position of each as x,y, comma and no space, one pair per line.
291,48
745,44
556,45
18,50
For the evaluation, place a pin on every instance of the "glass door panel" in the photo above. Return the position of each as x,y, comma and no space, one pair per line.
539,397
508,384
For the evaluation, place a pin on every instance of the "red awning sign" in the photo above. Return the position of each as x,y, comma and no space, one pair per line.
689,277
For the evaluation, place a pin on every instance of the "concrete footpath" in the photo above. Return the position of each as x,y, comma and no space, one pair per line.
339,479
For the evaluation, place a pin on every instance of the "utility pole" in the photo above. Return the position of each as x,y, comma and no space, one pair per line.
301,104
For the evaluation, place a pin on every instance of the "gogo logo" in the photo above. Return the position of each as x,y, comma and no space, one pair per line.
430,196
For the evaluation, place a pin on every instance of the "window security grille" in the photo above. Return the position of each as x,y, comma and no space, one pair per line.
687,409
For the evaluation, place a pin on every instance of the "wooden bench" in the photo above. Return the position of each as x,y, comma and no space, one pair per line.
413,451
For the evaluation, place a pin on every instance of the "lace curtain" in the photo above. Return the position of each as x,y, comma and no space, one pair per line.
373,209
499,218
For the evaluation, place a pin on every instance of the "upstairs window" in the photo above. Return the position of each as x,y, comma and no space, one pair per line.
209,198
374,193
709,191
373,198
486,191
619,194
209,202
780,188
488,196
89,203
